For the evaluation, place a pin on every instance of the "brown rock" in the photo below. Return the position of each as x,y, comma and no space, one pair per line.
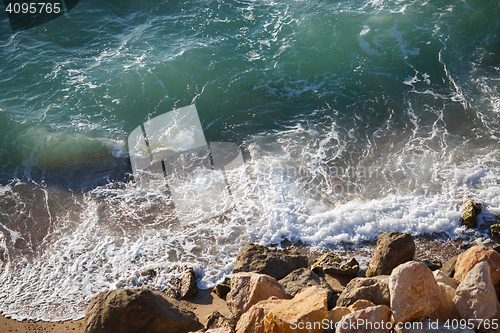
415,293
476,254
393,249
302,278
432,264
475,297
307,308
449,266
337,283
217,320
248,289
375,319
252,320
469,211
268,260
333,265
221,290
446,310
375,290
136,311
440,276
495,232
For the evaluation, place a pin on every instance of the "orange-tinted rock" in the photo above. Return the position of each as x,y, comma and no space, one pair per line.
446,310
248,289
304,313
476,254
252,320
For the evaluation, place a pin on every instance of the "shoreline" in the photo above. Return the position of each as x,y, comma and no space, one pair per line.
206,302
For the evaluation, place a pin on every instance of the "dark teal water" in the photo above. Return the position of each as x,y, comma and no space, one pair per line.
314,91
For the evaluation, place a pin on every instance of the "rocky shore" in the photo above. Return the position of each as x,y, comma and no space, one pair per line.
276,290
292,290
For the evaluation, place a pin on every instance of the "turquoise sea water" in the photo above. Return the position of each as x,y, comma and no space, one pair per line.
354,117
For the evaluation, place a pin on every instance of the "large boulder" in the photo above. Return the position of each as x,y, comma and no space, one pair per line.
392,250
475,297
252,320
375,290
304,313
136,311
476,254
248,289
268,260
333,265
302,278
469,212
415,293
373,319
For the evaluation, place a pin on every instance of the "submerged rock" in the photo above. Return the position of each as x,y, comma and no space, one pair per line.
269,260
469,212
392,250
136,311
333,265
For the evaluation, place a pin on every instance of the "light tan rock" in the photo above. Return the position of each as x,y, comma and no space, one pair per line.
375,319
446,310
476,254
360,304
441,276
304,313
415,293
248,289
475,297
252,320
